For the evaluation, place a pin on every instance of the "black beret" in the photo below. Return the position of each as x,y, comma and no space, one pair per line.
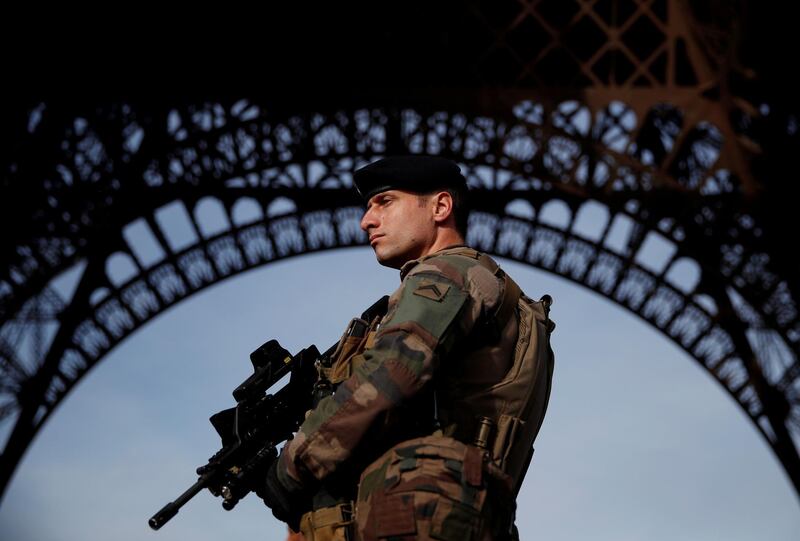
419,174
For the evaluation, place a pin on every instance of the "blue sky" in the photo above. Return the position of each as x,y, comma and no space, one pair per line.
639,442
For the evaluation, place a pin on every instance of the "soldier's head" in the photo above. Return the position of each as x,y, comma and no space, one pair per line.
415,205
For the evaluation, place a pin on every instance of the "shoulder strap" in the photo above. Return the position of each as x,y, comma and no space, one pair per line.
511,291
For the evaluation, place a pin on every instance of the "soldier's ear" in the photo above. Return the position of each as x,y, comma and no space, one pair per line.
442,206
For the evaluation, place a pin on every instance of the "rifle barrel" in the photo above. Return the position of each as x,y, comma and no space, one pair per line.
171,509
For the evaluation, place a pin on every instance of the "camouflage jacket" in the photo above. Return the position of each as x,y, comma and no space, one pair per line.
441,298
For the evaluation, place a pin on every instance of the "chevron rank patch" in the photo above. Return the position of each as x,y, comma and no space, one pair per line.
432,290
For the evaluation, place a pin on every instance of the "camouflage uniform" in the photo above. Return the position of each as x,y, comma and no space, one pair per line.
433,337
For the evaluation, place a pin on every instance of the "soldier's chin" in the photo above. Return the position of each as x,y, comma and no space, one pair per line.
388,260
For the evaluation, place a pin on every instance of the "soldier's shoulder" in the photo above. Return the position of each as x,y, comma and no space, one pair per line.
448,263
462,267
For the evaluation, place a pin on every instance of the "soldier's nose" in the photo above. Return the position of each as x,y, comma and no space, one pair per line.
367,221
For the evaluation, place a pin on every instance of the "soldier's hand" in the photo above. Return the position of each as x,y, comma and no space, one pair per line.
286,507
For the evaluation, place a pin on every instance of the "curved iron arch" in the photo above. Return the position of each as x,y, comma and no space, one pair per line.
535,154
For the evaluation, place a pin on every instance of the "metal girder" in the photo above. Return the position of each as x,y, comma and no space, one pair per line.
589,130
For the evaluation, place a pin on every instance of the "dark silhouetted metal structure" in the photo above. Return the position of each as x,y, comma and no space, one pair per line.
642,149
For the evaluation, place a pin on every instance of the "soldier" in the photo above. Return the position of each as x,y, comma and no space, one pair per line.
437,404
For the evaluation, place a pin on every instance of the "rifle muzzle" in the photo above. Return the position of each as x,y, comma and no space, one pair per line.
163,516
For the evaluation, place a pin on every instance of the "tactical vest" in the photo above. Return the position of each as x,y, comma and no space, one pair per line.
501,414
359,336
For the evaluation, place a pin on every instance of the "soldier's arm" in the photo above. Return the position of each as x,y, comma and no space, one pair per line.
438,302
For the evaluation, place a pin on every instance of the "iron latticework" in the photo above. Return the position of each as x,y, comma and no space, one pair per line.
624,145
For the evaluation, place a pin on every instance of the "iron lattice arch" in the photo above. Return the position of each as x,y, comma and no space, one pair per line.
638,208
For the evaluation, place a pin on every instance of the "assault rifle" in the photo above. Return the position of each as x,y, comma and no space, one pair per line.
252,430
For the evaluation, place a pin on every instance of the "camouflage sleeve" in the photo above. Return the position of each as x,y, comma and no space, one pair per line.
438,302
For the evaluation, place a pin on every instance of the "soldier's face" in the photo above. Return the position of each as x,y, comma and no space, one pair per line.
400,226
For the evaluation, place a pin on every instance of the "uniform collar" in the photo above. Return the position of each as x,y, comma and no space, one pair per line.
408,265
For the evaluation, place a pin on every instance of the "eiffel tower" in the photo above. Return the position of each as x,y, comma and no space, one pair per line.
663,131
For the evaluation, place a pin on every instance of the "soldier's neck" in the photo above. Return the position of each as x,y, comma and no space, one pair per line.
447,238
